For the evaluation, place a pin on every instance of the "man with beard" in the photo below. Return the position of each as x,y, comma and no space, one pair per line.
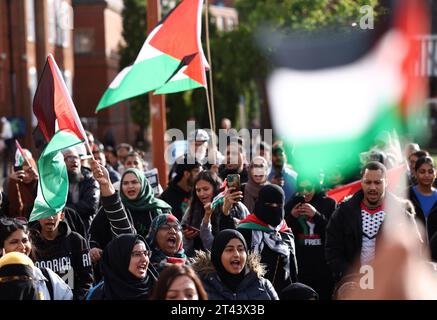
281,170
353,230
178,192
83,190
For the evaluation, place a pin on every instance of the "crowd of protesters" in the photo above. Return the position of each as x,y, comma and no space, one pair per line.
275,234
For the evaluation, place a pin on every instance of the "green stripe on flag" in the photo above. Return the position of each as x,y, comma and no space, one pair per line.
142,77
53,177
178,85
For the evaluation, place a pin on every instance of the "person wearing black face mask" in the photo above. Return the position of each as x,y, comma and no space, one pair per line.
229,273
267,234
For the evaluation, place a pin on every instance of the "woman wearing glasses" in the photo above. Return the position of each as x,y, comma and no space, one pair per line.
307,214
14,237
165,241
125,269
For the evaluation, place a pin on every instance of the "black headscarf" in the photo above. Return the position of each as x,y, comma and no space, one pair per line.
218,246
271,215
298,291
119,283
16,278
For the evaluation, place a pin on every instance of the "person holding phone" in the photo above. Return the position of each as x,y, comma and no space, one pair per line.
196,233
22,186
307,214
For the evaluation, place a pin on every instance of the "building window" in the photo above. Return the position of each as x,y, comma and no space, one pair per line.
83,40
65,20
68,81
51,17
230,24
220,23
30,20
60,19
33,83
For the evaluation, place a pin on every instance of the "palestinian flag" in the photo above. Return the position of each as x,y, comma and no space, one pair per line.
333,94
171,59
19,159
53,181
53,106
218,199
61,127
394,177
252,222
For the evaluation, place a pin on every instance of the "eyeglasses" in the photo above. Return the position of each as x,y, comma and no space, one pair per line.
139,254
71,158
10,221
167,227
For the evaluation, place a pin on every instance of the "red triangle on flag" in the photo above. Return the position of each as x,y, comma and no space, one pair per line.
52,102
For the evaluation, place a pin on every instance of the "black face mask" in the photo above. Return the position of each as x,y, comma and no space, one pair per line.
272,215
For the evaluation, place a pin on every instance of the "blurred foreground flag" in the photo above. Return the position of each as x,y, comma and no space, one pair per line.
332,94
171,59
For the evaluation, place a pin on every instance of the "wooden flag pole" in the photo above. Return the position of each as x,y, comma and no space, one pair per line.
208,52
158,114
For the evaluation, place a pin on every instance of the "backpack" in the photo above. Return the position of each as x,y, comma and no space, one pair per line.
48,282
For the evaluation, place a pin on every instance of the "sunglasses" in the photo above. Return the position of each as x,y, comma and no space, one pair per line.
306,188
11,221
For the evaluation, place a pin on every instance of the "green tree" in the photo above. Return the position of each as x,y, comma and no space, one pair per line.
134,33
239,68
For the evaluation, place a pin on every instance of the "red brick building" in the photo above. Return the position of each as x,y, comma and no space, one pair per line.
29,31
97,37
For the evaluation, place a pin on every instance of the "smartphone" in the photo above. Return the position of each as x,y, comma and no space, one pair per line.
299,199
18,168
233,181
188,227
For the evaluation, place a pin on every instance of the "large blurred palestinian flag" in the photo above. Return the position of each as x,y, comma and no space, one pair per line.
332,94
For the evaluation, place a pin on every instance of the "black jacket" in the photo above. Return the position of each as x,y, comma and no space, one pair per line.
344,233
67,255
310,244
101,230
89,193
274,262
178,199
430,223
252,287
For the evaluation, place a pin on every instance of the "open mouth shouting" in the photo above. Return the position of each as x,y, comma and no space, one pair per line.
142,269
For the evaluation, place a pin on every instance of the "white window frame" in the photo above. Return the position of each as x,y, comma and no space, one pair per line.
30,20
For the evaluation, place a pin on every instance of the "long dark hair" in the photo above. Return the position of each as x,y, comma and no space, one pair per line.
168,276
197,205
8,226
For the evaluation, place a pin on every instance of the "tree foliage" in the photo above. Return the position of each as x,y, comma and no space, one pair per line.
239,69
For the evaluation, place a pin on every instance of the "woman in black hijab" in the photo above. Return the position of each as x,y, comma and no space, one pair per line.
268,235
228,273
125,270
17,278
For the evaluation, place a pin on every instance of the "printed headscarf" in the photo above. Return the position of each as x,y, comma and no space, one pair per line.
159,259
